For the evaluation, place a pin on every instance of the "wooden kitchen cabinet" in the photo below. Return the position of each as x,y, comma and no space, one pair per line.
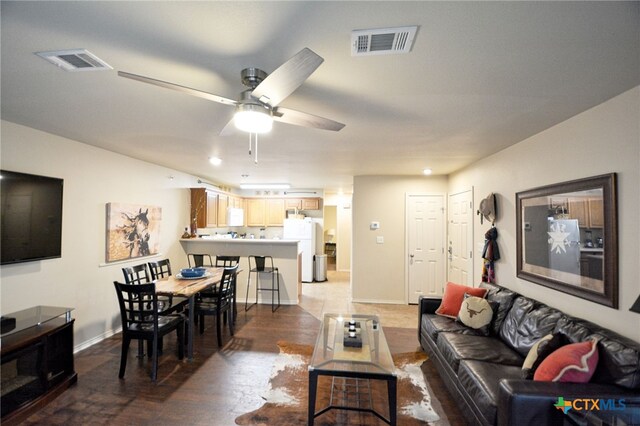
310,203
204,208
265,211
578,210
275,212
589,212
223,203
596,212
292,203
256,211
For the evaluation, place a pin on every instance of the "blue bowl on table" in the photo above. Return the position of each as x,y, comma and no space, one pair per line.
192,272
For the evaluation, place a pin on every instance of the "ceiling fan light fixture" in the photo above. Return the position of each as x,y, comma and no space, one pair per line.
253,118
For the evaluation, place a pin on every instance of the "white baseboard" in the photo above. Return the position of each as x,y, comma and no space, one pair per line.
97,339
383,301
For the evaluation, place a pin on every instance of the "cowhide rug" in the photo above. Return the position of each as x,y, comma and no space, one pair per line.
286,398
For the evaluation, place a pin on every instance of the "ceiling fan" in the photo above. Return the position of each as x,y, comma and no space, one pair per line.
258,106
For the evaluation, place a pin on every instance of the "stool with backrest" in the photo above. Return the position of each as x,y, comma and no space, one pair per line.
219,305
197,260
141,321
263,265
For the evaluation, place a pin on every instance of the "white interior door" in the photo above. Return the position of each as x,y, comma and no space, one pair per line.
460,233
425,246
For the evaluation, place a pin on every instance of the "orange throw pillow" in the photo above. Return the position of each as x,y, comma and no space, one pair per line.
453,297
573,363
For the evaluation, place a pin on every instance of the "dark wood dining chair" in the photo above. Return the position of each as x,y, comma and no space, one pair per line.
160,269
197,260
141,321
220,305
225,262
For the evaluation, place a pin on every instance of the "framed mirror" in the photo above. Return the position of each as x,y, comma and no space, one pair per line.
567,238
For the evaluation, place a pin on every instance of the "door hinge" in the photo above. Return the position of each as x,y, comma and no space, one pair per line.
470,255
471,204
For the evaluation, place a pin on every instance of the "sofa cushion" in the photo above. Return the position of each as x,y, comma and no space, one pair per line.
526,323
574,363
619,357
480,380
504,297
434,324
455,347
453,296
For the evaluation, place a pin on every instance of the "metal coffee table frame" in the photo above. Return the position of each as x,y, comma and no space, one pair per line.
353,367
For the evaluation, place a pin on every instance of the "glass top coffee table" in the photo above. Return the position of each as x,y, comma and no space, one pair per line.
352,349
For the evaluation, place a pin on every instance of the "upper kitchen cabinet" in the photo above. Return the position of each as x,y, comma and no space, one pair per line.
302,203
256,211
588,211
204,208
265,211
275,212
223,203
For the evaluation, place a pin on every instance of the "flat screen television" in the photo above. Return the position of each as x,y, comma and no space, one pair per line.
31,216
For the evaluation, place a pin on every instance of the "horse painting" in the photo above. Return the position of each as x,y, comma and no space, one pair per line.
136,234
132,231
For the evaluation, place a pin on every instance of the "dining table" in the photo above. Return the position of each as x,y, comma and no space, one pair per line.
176,285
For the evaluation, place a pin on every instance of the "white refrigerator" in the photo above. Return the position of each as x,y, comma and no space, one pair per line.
303,230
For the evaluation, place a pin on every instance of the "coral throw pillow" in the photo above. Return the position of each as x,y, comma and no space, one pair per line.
574,363
453,297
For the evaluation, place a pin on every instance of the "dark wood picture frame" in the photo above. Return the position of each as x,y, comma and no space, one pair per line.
535,220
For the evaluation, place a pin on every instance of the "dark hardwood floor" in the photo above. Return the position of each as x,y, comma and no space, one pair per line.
214,389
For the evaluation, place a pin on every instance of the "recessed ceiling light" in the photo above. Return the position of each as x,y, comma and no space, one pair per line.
427,171
265,186
215,161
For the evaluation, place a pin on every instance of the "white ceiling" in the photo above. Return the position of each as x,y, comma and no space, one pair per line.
481,76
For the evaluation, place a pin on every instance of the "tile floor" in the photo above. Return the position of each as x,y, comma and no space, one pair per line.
334,296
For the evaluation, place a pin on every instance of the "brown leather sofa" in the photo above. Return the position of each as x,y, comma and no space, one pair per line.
483,373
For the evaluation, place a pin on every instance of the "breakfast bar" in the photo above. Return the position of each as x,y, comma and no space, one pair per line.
285,255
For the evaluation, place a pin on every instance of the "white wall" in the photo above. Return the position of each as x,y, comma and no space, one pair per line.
378,272
92,178
601,140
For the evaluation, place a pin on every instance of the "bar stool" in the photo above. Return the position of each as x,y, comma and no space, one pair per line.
257,266
197,260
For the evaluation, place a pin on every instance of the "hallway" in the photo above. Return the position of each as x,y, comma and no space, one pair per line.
334,296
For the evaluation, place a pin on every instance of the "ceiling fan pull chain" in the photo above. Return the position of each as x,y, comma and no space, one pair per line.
256,159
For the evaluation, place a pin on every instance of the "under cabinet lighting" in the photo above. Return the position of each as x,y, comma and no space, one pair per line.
265,186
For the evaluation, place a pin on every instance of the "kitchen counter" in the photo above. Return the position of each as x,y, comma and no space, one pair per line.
285,255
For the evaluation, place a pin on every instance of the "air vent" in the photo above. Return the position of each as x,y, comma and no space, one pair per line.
383,41
75,60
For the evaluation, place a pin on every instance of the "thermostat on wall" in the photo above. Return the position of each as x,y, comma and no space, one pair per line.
374,225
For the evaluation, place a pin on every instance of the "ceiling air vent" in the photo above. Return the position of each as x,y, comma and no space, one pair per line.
383,41
75,60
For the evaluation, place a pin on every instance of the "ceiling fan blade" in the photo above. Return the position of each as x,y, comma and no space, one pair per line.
177,87
298,118
287,77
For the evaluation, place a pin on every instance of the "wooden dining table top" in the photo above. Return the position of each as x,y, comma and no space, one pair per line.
175,286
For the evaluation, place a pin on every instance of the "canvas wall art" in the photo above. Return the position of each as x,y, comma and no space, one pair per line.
133,231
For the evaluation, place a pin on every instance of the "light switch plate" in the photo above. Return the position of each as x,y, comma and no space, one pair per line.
380,239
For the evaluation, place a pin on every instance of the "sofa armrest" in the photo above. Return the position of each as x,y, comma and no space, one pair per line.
527,402
427,305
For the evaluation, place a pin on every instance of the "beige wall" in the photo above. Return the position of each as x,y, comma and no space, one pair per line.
378,270
92,178
601,140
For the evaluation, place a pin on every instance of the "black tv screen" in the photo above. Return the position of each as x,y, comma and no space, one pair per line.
31,216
